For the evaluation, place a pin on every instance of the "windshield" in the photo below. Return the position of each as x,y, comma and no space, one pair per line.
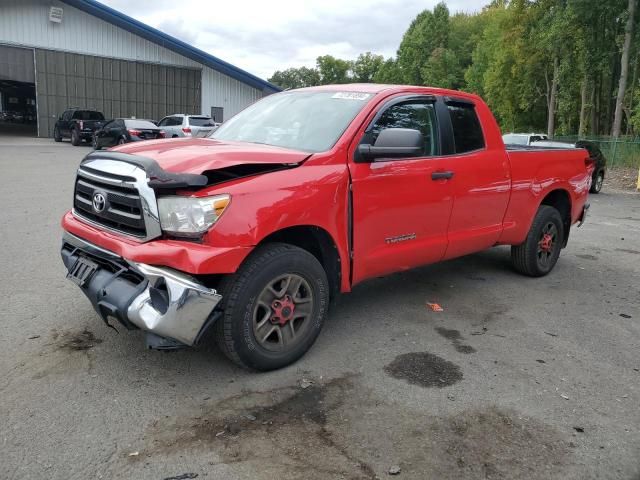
307,121
515,139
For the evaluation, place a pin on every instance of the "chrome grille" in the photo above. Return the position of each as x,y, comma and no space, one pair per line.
122,210
128,205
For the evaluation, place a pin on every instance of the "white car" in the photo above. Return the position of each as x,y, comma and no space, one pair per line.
181,125
523,138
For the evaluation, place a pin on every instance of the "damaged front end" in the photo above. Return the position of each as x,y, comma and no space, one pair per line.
172,306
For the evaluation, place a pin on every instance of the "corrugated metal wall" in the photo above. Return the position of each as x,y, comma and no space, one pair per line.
218,90
118,88
26,23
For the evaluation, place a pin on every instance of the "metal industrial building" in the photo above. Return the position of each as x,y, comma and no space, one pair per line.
55,54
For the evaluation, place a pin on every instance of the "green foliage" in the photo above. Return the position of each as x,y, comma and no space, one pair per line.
506,53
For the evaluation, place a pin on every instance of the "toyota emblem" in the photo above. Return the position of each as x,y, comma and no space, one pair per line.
99,202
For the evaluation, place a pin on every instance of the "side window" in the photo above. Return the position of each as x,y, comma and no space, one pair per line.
66,116
415,115
467,132
176,121
109,124
163,122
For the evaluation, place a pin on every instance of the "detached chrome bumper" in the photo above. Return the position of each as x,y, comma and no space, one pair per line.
163,301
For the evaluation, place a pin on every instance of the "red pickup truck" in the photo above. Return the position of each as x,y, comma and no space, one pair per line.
301,196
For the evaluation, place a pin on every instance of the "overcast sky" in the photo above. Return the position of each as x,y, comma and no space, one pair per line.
264,36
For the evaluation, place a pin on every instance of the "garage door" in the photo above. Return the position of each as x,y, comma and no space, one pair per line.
16,64
117,88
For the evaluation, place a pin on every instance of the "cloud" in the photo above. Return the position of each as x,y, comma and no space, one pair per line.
262,37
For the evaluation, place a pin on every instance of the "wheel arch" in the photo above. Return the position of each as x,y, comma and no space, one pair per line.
319,243
560,199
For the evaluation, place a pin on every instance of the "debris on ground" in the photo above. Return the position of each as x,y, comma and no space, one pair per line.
250,417
564,396
394,470
304,383
184,476
540,361
133,454
33,337
451,397
435,307
625,315
484,330
579,429
551,334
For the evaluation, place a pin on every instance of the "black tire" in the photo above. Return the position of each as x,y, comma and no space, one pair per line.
75,137
235,330
56,135
94,143
528,258
121,141
596,186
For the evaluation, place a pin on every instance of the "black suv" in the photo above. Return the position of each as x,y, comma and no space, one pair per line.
78,125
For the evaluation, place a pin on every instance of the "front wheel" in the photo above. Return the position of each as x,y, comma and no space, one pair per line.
121,141
596,186
539,253
56,135
274,307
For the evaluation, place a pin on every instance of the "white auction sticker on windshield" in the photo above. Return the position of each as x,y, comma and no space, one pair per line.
351,95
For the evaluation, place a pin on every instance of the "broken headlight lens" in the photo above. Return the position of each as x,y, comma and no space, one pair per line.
190,216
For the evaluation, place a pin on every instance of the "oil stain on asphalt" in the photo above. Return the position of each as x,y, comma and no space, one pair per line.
77,341
325,431
456,340
424,369
283,432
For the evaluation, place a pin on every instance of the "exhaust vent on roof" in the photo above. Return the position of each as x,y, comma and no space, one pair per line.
55,14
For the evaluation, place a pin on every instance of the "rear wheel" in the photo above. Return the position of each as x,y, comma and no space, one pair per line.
75,137
56,135
596,186
539,253
274,307
121,141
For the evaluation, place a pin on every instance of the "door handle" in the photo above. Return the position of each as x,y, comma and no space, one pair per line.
441,175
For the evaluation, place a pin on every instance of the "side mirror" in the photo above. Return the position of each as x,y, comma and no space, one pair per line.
393,143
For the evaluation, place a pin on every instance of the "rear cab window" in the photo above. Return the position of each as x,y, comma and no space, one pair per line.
467,131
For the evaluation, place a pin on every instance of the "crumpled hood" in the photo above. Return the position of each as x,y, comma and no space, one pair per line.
198,155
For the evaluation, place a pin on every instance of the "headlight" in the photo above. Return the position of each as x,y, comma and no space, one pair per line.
190,216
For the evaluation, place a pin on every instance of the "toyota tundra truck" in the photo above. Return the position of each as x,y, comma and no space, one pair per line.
252,231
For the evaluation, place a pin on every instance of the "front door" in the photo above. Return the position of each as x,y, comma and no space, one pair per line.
400,208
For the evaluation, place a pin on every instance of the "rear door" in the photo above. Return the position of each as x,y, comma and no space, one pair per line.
481,183
400,208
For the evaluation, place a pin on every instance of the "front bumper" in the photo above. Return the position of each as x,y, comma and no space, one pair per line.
159,300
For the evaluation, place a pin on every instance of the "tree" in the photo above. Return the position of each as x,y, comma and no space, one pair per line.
296,78
428,31
366,66
333,70
624,69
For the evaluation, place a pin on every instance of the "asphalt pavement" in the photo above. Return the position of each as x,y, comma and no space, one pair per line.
516,378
